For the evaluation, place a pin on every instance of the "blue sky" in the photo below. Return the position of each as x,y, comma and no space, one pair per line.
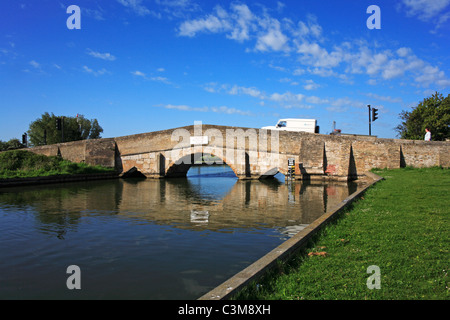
146,65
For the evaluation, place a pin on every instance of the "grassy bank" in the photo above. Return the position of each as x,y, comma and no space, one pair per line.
400,225
24,164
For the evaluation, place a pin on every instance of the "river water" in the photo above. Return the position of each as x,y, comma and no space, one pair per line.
148,239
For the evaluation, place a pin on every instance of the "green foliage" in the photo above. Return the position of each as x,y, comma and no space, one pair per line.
43,130
433,112
21,163
11,145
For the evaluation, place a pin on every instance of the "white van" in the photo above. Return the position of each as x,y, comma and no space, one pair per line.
305,125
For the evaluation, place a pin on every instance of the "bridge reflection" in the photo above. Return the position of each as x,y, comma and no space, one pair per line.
225,203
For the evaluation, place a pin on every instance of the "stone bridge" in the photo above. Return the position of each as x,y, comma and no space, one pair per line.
251,153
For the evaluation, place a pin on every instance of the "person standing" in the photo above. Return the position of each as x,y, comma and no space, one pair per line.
427,134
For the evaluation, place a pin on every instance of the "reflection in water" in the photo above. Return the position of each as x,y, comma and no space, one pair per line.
148,239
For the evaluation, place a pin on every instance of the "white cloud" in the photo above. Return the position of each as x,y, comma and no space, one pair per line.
425,9
247,91
282,69
177,8
221,109
298,72
211,24
96,14
273,39
317,100
280,6
442,21
160,79
138,73
103,56
310,29
136,6
322,72
35,64
347,102
239,24
435,11
95,73
286,97
384,98
185,108
288,100
337,109
316,56
269,35
311,85
341,61
227,110
431,75
243,21
210,87
376,63
404,52
387,64
175,3
285,80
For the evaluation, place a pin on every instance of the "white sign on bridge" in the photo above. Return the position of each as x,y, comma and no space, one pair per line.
199,140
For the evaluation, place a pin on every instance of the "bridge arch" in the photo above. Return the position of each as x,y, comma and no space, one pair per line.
180,167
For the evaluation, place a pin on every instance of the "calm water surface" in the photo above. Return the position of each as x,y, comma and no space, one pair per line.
148,239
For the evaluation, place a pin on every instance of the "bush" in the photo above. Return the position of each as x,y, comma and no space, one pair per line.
21,163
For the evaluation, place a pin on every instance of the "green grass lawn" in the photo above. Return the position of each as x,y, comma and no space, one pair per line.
401,225
25,164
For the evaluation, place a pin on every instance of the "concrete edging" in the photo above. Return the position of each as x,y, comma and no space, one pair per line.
257,269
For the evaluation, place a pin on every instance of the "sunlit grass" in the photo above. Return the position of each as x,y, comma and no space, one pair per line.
401,225
22,164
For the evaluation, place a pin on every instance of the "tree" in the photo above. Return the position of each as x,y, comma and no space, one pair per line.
11,145
44,131
433,113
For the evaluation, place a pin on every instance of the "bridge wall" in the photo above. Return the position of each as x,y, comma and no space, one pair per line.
93,152
253,153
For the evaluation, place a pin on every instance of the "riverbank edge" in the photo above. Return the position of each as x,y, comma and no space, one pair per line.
256,270
62,178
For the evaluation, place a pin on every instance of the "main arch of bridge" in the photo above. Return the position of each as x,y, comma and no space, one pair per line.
242,169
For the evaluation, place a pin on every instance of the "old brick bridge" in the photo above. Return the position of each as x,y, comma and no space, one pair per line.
251,153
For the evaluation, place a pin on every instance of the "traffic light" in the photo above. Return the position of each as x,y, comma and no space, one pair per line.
58,124
24,139
374,114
